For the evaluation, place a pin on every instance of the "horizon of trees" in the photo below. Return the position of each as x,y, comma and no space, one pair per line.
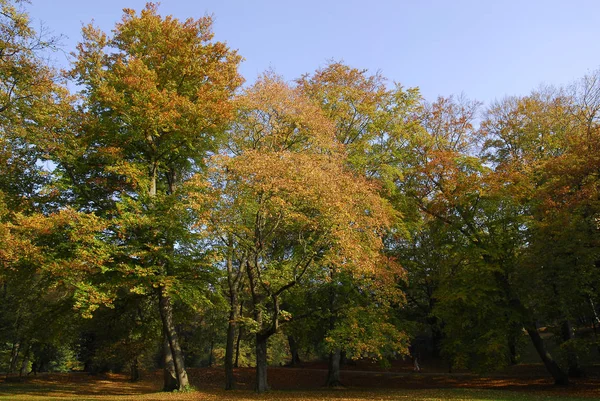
188,220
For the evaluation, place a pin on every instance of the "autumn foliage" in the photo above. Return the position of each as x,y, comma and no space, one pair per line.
155,213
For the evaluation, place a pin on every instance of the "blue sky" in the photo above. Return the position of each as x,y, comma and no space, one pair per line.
485,49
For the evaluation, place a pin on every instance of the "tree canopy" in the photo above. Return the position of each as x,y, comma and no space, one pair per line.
156,213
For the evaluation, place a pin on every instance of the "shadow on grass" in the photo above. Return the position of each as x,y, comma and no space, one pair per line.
299,384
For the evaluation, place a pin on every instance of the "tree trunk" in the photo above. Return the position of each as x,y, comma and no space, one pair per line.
333,372
170,377
233,282
166,314
236,363
335,357
210,354
560,377
231,329
572,358
261,364
293,351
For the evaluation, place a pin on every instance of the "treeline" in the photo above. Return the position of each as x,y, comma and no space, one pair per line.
160,214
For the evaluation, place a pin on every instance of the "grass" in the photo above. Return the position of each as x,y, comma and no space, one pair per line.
297,385
52,393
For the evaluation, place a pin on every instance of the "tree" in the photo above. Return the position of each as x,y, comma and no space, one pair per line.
286,197
553,131
156,96
471,200
39,271
370,122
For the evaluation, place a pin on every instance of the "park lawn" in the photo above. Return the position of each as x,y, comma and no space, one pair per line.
296,384
34,393
107,390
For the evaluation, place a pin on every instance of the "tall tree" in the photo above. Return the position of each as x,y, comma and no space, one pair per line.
370,122
156,96
286,197
39,271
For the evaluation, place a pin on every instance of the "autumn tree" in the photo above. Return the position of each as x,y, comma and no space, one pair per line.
35,262
534,139
370,123
285,195
155,97
466,212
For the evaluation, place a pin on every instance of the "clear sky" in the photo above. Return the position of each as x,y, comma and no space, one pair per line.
484,48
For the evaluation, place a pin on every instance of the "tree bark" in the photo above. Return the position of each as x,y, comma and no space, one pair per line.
333,371
166,314
233,280
231,329
261,364
236,363
210,354
261,337
560,377
170,377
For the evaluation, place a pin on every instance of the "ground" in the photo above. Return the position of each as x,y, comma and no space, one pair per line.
363,381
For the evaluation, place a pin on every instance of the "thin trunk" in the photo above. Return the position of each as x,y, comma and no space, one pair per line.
261,364
333,371
560,377
166,314
170,377
231,329
333,368
210,354
236,364
233,280
573,360
293,351
261,338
